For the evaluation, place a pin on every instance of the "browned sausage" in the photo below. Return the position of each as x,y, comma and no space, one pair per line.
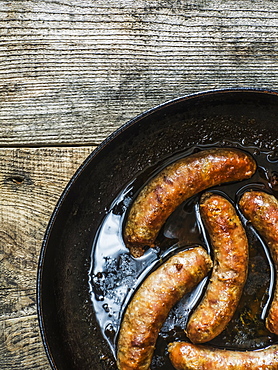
230,250
176,183
152,302
262,210
187,356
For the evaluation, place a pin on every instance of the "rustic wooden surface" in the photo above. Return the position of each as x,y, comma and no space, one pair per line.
71,72
31,181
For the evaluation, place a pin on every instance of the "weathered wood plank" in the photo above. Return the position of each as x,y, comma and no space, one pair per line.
22,348
72,72
31,182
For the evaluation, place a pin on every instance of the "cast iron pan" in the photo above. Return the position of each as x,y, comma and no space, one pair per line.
70,331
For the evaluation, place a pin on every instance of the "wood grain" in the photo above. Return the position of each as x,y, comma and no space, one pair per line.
72,72
31,182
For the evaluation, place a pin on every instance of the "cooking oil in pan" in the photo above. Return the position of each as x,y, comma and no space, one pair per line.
115,274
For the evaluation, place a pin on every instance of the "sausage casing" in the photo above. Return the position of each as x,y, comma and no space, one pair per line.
187,356
176,183
230,266
152,302
262,210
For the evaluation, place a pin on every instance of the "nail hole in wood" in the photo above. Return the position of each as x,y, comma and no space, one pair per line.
18,179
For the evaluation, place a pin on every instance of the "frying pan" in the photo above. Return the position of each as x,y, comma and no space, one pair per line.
70,331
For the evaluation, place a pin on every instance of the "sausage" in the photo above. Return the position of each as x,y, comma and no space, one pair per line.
176,183
187,356
230,249
262,210
152,302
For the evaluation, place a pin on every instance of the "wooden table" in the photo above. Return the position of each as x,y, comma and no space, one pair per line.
71,72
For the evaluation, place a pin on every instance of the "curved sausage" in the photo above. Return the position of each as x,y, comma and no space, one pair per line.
176,183
230,266
152,302
187,356
262,210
